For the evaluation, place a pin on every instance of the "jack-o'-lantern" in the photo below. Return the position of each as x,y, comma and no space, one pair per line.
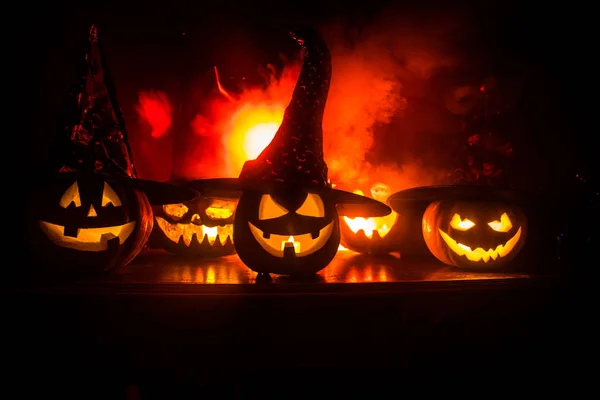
92,222
286,220
375,235
474,234
202,227
286,230
92,212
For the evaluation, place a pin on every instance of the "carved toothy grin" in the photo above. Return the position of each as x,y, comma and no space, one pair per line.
480,254
87,239
188,233
303,245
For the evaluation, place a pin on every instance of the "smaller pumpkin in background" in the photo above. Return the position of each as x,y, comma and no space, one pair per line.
474,234
375,235
202,227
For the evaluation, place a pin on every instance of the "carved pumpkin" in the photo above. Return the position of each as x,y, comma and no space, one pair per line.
286,231
94,211
375,235
91,223
474,234
286,220
202,227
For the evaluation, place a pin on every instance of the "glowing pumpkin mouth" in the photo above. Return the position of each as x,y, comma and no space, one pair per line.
87,239
201,234
303,245
480,254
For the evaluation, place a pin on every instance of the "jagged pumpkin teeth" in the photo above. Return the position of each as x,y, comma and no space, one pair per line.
191,232
202,227
375,235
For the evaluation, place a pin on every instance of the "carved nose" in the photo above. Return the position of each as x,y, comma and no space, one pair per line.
92,212
196,219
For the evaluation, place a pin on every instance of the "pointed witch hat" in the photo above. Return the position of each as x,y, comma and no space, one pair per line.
94,139
294,158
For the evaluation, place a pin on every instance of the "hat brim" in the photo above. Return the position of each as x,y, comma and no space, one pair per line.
158,193
348,204
428,194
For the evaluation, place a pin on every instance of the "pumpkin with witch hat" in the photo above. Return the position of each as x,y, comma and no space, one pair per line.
286,221
93,213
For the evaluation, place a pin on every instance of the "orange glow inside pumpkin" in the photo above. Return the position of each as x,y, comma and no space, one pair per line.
504,224
88,239
303,244
196,229
289,243
221,209
381,225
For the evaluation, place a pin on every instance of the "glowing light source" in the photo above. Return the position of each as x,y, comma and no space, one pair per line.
291,242
251,129
258,137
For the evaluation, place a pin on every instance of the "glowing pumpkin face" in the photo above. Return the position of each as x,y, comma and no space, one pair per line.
375,235
202,227
93,222
475,234
286,231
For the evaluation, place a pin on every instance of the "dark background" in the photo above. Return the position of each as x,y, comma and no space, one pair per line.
145,47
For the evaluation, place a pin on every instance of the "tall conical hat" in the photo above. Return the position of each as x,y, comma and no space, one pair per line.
94,139
295,155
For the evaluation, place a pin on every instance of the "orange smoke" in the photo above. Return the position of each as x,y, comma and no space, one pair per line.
251,130
154,108
363,94
374,82
246,123
152,145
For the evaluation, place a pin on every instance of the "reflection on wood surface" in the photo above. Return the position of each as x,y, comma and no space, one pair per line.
347,267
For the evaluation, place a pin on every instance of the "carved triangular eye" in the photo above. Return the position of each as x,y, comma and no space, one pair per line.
269,209
221,209
461,224
504,225
175,211
71,195
109,196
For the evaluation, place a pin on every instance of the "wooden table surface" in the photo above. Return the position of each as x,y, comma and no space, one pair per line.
177,316
155,271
